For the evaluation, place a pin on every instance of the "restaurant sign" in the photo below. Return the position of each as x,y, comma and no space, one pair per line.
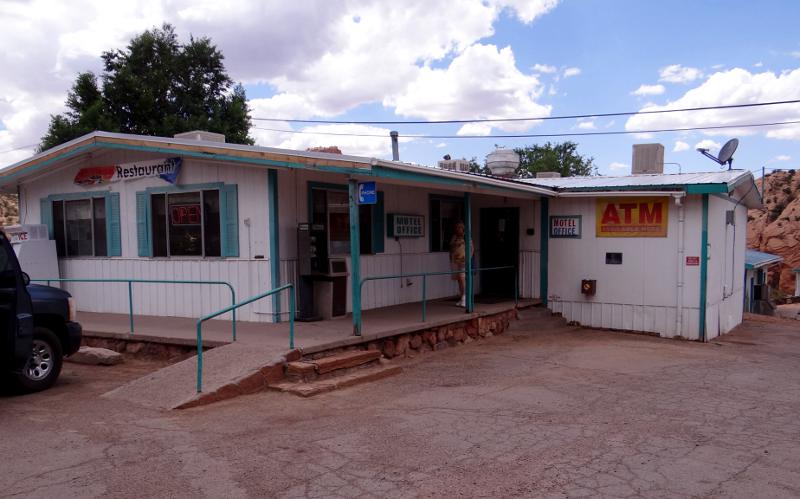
632,217
166,169
566,226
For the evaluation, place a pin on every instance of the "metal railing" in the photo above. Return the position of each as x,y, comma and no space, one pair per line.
130,283
425,275
233,308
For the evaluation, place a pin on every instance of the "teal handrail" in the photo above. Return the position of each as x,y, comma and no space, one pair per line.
425,275
150,281
233,308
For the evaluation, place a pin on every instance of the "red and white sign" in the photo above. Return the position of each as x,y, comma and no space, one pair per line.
692,261
185,214
167,169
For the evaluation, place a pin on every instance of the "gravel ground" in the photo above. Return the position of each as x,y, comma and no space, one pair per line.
542,411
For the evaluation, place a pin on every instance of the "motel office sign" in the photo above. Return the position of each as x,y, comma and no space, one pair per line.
565,226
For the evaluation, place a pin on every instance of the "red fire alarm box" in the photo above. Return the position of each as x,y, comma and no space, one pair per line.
589,286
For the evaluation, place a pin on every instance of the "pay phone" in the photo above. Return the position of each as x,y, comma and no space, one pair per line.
322,287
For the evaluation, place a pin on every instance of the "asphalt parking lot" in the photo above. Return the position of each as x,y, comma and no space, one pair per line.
542,411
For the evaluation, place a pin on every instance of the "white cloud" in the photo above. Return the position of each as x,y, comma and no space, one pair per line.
482,82
649,90
544,68
676,73
586,125
379,147
796,54
782,157
320,59
441,145
758,64
734,86
616,166
572,72
708,144
680,146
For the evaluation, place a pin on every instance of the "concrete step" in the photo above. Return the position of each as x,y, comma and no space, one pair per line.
331,365
355,377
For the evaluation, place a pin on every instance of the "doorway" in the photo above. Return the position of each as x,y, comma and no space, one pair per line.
499,247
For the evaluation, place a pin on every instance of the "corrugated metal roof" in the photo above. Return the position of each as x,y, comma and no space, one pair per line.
653,181
756,259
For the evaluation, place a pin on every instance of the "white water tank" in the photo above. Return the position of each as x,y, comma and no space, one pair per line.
35,251
502,162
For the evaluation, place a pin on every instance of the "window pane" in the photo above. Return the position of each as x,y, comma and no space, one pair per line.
159,223
99,209
319,206
365,228
339,223
452,212
79,227
436,226
58,228
211,231
185,224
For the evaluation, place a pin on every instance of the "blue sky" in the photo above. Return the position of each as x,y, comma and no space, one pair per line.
439,59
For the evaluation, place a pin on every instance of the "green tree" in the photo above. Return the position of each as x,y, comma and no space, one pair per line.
562,158
155,86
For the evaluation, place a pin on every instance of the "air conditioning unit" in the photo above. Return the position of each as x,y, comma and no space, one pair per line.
455,165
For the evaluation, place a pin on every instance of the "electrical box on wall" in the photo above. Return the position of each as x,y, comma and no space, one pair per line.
589,286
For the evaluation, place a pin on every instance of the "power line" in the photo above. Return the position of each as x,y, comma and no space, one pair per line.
542,118
18,148
539,135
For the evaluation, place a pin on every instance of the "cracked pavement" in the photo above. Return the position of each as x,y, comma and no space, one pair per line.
545,410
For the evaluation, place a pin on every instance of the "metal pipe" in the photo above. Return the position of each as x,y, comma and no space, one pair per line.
395,146
130,306
424,292
681,264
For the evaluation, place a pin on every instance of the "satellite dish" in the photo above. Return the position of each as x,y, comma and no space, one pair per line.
725,154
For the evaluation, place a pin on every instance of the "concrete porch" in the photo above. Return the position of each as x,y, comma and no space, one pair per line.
259,345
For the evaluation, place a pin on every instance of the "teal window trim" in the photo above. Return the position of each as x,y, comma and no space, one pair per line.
439,197
229,234
378,212
112,207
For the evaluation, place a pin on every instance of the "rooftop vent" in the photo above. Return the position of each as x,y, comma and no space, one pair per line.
456,165
548,175
201,135
647,158
502,162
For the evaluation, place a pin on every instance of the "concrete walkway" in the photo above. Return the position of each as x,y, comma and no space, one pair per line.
258,345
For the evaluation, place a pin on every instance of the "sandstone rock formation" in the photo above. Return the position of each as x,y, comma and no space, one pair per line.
776,229
9,209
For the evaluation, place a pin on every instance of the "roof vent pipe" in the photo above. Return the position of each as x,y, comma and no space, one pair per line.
395,146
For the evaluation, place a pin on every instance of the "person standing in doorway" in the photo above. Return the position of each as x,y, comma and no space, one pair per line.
458,260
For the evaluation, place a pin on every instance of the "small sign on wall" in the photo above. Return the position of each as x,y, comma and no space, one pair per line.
566,226
632,217
405,225
692,261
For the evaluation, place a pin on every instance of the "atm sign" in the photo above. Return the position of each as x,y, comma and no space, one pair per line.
632,217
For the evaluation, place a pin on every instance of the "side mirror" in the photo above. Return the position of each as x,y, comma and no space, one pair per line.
26,279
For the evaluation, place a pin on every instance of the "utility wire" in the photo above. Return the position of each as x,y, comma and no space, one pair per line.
542,118
18,148
540,135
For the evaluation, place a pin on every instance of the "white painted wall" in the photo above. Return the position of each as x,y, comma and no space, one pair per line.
640,294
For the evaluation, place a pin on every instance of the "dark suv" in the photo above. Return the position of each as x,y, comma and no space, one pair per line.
37,326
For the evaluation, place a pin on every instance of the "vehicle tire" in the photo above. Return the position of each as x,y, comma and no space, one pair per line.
44,365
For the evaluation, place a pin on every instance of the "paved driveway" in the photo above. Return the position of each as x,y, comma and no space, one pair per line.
544,411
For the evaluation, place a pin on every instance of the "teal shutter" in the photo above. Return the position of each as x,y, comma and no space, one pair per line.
378,237
46,215
114,234
229,220
142,224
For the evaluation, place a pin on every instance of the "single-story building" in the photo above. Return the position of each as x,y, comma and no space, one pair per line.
757,264
645,252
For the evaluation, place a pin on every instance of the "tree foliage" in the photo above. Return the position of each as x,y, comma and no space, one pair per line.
562,158
155,86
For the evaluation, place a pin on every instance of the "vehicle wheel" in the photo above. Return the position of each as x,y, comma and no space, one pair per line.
44,364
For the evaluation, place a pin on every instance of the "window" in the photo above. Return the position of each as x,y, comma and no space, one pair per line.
79,227
186,223
445,212
330,207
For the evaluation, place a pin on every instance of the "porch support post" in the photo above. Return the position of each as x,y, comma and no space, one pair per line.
355,257
703,270
274,243
468,250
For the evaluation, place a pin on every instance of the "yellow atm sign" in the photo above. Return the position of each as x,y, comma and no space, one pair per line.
632,217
